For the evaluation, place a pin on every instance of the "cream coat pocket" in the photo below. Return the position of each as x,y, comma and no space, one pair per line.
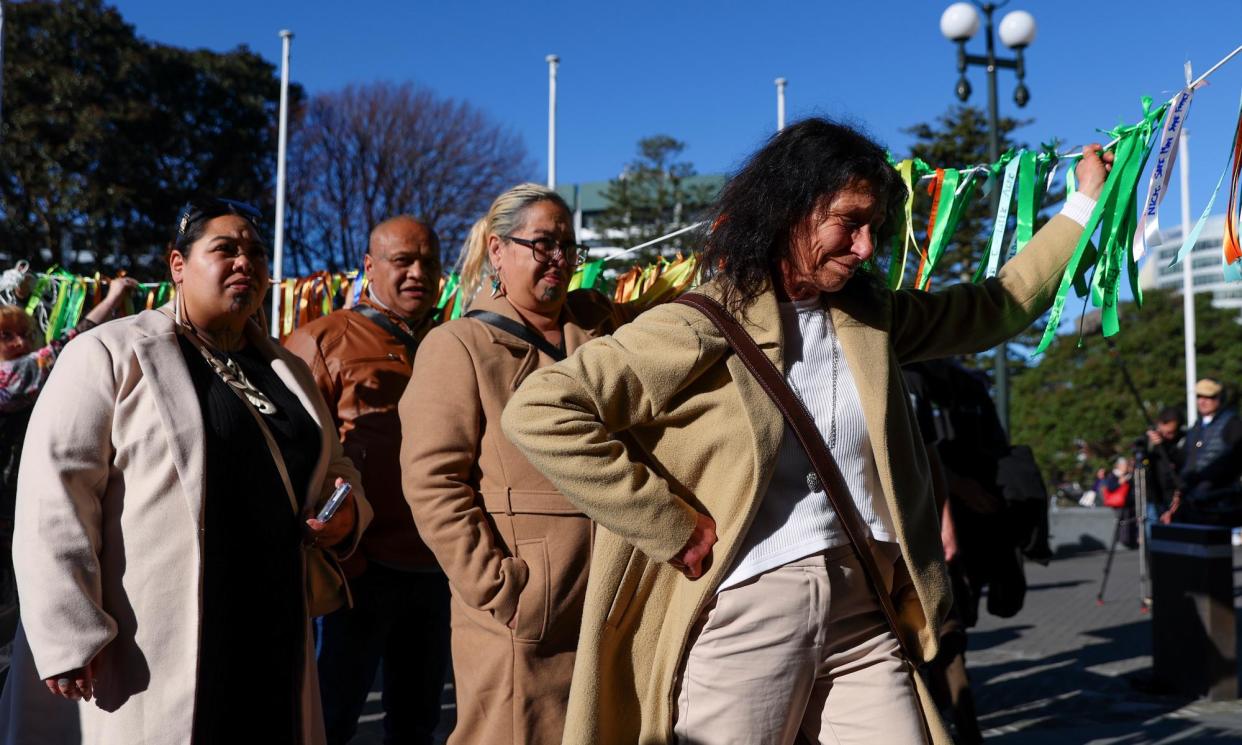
532,610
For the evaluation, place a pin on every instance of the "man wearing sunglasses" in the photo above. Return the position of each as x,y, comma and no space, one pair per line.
362,359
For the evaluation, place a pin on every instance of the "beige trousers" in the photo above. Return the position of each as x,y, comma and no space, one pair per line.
801,648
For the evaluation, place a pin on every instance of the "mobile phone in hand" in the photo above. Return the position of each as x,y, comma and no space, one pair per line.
334,502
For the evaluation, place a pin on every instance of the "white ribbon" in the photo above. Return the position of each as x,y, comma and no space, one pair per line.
1002,216
1148,230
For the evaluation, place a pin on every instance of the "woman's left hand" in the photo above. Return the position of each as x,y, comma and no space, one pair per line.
335,530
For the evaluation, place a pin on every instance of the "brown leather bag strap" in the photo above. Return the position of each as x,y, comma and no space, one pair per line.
803,424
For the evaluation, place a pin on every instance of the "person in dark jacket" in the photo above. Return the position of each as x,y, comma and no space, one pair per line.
1210,475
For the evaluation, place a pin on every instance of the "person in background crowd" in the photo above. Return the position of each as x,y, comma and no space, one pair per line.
931,398
669,443
1118,493
1213,461
23,372
516,552
362,359
165,541
1165,457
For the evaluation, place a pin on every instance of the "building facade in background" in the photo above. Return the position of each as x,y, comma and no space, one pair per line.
1207,273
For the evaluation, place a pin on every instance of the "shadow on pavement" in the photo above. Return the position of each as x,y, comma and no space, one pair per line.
1089,690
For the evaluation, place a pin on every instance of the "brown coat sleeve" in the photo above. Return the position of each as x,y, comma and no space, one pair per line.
307,347
968,318
441,432
563,417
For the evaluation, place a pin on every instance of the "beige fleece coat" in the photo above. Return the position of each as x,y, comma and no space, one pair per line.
704,436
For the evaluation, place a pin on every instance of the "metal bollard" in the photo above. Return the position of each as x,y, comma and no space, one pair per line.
1194,642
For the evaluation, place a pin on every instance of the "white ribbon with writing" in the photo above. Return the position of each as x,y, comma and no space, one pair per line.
1148,230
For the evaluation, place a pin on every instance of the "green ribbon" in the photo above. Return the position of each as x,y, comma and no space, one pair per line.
36,295
1115,216
1028,199
450,285
56,319
588,275
954,195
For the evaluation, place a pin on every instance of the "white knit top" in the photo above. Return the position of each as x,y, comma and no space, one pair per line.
794,522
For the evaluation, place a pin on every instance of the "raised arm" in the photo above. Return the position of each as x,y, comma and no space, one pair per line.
967,318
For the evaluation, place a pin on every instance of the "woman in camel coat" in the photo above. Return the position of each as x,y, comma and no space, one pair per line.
515,551
669,649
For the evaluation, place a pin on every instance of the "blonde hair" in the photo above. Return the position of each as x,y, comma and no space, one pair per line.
506,215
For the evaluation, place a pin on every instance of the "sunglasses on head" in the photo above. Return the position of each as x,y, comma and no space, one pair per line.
205,208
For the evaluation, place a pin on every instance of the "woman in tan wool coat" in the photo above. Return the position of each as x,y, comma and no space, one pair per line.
725,605
516,552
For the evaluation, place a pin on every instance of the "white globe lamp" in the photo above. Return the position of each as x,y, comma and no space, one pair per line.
959,22
1017,29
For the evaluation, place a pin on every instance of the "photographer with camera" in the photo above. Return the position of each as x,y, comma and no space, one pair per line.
1164,452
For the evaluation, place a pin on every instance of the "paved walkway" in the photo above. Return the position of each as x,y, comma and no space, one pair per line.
1061,671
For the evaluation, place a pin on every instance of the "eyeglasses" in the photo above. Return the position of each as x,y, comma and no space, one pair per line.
547,250
205,208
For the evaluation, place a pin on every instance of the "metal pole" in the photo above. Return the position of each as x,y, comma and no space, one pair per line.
1188,284
1002,350
553,61
780,103
278,243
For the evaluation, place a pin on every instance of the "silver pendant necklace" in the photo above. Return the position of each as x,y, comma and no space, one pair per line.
812,479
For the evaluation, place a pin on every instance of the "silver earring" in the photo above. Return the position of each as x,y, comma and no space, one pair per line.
495,285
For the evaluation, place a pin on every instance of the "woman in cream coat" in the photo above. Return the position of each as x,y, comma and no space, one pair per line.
724,604
149,545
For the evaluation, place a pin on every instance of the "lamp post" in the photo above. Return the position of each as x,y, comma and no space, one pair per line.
958,23
282,145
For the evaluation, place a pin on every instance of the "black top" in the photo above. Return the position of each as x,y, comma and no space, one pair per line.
253,615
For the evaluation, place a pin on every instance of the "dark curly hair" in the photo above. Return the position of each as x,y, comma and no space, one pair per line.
795,173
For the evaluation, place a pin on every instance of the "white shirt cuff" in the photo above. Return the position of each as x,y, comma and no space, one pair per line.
1078,208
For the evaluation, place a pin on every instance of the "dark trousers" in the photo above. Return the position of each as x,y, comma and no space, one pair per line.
401,618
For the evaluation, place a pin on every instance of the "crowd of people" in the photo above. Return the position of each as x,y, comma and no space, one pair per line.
620,532
1189,474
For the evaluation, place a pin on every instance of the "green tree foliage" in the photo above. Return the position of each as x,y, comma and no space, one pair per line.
105,135
656,194
1076,400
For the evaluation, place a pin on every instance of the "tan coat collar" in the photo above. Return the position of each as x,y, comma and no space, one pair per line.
575,333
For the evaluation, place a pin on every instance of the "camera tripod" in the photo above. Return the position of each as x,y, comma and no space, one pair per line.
1139,491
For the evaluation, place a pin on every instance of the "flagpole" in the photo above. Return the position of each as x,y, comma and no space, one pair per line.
278,243
1188,283
780,103
552,61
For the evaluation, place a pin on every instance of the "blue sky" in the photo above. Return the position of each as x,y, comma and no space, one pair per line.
703,71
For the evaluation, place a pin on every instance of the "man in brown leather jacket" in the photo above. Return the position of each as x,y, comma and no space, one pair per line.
362,358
